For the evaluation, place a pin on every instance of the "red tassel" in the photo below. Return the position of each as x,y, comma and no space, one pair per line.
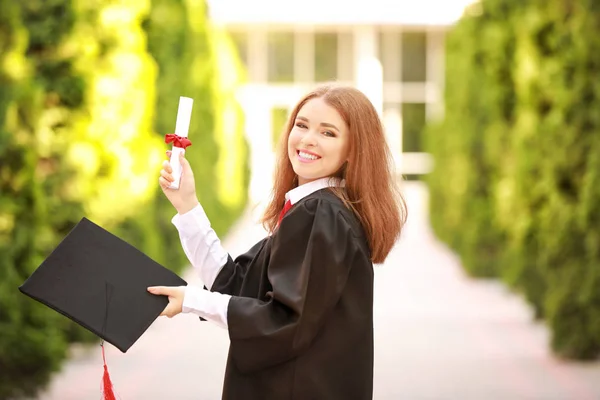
107,388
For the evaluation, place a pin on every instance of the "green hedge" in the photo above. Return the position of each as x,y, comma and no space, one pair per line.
195,60
84,106
516,189
42,92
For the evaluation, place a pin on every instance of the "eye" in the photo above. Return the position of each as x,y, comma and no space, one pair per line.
329,134
301,125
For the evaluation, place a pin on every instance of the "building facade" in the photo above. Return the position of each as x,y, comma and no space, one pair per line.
391,50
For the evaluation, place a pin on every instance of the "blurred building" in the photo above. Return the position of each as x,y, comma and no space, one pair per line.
393,50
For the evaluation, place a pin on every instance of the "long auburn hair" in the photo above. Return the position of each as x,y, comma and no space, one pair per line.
370,190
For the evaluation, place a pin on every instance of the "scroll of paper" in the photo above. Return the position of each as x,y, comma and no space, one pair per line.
179,138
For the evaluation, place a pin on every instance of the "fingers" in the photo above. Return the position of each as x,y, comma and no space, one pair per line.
162,290
175,295
185,165
167,166
166,178
167,175
164,183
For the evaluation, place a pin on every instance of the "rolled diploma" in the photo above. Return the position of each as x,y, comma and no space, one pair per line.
182,126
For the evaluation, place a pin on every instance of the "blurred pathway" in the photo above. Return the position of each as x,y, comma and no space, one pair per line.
439,336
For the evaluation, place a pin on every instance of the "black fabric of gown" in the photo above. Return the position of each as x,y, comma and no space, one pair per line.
301,319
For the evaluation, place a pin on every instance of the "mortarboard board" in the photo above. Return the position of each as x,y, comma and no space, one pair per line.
100,282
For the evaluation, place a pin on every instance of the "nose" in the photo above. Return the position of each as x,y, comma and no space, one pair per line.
309,139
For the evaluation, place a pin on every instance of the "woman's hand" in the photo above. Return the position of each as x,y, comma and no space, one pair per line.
184,198
176,295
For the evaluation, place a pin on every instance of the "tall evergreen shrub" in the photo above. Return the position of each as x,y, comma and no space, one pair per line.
516,187
80,97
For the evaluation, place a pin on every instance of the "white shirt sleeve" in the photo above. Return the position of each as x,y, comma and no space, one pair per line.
203,249
211,306
201,244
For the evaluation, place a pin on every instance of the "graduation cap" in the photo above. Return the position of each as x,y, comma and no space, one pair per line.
100,282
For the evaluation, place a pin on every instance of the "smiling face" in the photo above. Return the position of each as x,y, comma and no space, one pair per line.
319,142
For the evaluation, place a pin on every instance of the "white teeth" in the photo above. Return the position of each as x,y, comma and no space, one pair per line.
306,155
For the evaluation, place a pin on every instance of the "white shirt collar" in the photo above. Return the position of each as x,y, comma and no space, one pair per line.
298,193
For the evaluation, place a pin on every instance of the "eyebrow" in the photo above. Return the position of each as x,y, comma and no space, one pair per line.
326,124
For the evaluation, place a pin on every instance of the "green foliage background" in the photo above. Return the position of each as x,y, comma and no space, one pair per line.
88,89
516,189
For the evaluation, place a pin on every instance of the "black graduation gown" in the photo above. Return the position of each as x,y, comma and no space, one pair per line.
301,319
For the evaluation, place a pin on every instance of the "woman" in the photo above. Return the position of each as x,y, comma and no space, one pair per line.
298,305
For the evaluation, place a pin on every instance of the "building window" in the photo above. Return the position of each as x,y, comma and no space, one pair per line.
280,49
345,56
389,52
279,117
326,57
413,122
414,57
403,56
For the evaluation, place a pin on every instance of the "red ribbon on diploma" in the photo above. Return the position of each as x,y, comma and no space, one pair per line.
178,141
